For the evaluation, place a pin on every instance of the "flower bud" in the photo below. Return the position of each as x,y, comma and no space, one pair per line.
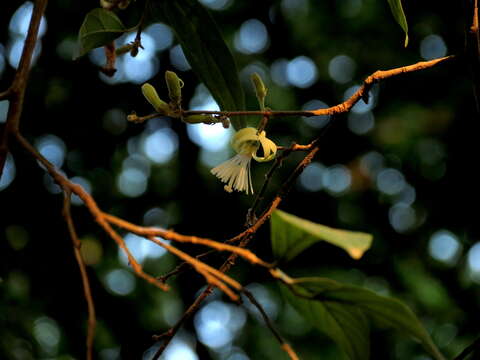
152,97
260,89
174,84
133,117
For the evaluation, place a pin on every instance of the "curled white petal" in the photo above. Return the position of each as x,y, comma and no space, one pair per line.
269,149
235,173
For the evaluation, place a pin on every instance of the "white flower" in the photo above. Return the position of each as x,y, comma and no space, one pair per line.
236,171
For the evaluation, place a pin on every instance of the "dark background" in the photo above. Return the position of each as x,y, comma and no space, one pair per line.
425,127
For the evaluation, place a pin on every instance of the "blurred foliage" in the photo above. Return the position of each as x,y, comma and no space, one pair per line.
420,133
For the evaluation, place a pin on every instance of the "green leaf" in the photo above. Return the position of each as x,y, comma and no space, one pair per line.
291,235
343,312
207,53
399,15
98,29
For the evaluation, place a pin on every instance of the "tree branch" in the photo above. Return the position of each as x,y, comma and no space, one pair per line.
92,206
16,92
244,239
83,272
283,343
170,235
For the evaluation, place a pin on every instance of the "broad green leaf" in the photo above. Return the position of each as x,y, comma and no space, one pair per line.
344,311
98,29
399,15
291,235
207,53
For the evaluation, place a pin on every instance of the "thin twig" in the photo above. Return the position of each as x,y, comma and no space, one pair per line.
170,235
211,274
16,93
137,43
295,147
169,334
344,106
472,48
244,239
92,206
285,346
183,266
251,217
263,123
83,272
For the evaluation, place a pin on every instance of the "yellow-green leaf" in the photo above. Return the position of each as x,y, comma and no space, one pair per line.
291,235
399,15
99,27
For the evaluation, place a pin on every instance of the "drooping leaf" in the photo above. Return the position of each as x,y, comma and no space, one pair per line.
399,15
207,53
99,27
343,312
291,235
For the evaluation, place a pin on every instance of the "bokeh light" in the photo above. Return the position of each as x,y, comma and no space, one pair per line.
278,72
156,217
217,323
181,347
311,177
337,179
132,182
120,282
9,172
178,59
361,124
21,19
160,145
473,262
47,333
52,148
4,104
252,37
445,247
141,249
402,217
371,163
390,181
217,4
432,47
302,72
342,68
161,34
18,28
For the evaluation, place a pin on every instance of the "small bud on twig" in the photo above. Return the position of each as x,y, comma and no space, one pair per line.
152,97
174,84
260,89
